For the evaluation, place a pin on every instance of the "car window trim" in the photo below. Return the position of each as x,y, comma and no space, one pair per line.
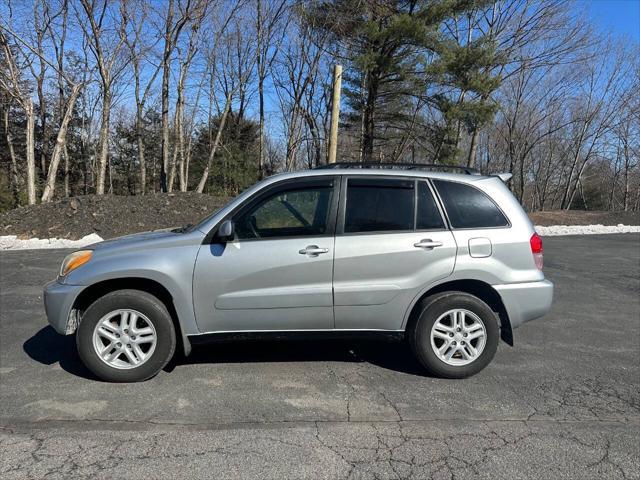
450,225
343,206
445,220
288,184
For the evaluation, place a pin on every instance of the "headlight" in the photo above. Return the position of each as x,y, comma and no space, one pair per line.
74,260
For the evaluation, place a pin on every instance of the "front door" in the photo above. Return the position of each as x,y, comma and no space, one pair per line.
391,242
276,274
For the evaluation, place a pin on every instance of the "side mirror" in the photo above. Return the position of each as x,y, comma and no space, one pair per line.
225,230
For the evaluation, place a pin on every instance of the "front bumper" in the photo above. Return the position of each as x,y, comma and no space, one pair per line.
58,303
526,301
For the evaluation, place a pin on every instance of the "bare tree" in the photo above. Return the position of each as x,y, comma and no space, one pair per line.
270,32
65,106
173,27
5,108
237,63
528,34
295,74
185,58
105,43
596,109
12,83
139,47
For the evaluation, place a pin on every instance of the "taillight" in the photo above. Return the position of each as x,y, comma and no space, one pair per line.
536,249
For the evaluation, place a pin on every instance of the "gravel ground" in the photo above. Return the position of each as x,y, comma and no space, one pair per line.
562,404
112,216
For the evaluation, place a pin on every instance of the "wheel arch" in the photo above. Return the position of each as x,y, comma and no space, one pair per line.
93,292
477,288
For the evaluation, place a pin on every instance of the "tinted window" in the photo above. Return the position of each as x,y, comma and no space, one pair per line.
428,216
296,212
379,205
468,207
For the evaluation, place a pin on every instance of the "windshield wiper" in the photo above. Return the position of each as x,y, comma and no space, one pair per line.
183,229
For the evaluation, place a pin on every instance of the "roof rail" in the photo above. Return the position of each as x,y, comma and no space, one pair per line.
399,166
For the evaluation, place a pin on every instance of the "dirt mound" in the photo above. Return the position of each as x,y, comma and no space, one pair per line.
579,217
107,215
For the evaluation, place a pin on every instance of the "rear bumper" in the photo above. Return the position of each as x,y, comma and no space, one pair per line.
526,301
58,303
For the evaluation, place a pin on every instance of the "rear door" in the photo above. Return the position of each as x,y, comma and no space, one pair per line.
276,274
391,242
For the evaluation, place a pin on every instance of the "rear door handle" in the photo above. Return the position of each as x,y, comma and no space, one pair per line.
313,250
427,244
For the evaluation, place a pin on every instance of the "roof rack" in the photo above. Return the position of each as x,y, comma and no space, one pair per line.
399,166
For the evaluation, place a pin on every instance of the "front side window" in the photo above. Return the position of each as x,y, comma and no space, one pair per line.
468,207
290,213
379,205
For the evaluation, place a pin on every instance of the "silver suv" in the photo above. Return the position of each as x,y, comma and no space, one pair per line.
449,261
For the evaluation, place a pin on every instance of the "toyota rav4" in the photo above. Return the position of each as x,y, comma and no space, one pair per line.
449,261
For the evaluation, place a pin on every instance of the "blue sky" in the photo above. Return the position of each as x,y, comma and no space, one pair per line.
620,17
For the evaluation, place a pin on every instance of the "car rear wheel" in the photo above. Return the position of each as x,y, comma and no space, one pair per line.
455,335
126,336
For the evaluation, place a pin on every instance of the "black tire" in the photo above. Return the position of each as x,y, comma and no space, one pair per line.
430,309
144,303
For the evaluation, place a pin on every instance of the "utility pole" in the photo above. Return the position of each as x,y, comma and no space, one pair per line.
335,113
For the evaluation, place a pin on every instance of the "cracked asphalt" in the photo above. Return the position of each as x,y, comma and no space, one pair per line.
563,403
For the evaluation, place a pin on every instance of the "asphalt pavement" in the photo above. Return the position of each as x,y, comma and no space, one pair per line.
563,403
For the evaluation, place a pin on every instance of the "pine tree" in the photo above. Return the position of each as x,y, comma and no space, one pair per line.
396,52
465,70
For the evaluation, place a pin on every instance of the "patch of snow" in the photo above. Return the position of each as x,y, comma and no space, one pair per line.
556,230
12,242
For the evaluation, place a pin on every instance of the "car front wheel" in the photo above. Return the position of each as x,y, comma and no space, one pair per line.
126,336
455,335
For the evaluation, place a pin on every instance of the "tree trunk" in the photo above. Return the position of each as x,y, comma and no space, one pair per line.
15,180
43,123
179,126
30,152
259,40
369,119
471,160
216,143
141,160
172,169
67,190
261,129
103,154
165,129
186,172
315,138
165,97
363,85
58,149
625,198
292,140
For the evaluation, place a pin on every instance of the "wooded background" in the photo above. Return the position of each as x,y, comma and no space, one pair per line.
130,97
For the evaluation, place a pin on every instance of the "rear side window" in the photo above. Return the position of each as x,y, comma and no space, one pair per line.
379,205
468,207
428,216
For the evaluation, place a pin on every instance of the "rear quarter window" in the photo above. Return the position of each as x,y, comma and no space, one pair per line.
468,207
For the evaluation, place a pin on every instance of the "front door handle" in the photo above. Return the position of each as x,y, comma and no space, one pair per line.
313,250
427,244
